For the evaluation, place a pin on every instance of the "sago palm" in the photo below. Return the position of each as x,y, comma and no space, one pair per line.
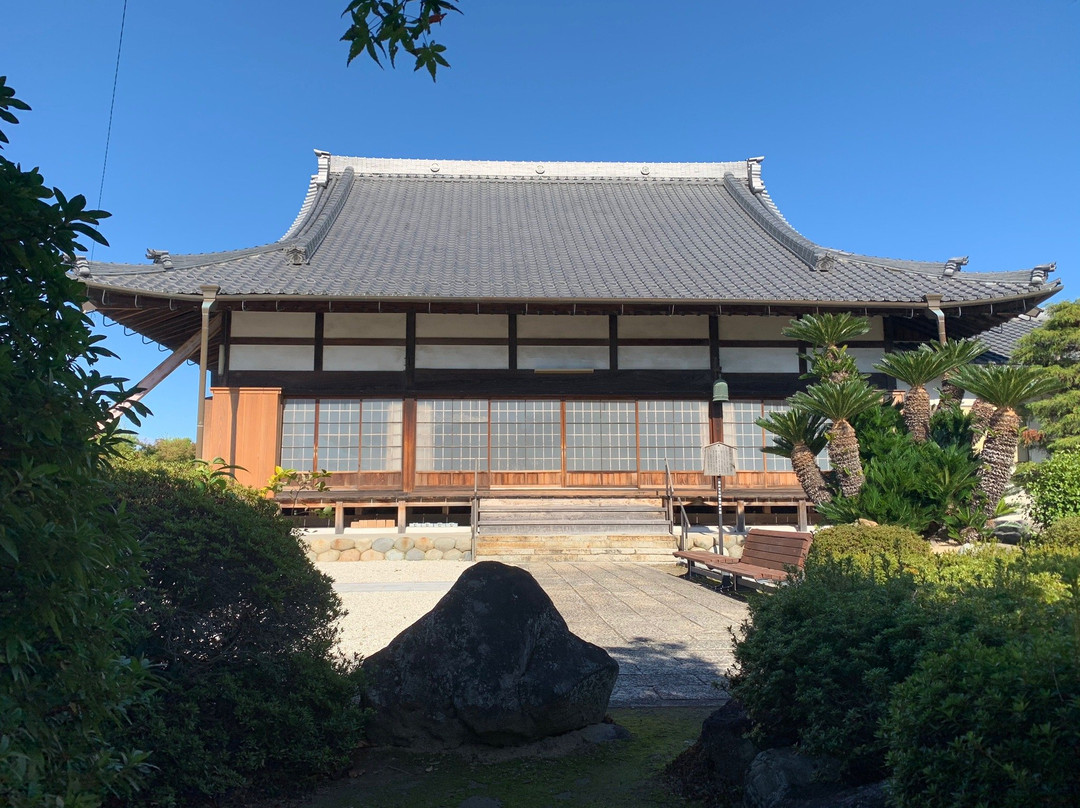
839,403
800,436
915,368
955,355
828,333
1007,388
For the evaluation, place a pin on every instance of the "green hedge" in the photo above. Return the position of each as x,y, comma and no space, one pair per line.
1054,486
242,629
823,663
1065,532
870,546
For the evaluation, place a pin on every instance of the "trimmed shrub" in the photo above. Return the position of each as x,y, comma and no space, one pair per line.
989,725
870,546
1054,486
242,629
1065,532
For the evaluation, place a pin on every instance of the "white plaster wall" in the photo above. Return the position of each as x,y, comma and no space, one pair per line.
562,326
745,326
364,357
672,327
681,357
866,357
759,360
562,357
463,356
273,324
462,325
364,326
272,357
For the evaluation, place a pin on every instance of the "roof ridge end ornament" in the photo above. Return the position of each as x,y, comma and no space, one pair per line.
1040,273
161,257
753,174
323,175
953,265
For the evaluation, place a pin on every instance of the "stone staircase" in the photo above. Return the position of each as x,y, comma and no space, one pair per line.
515,530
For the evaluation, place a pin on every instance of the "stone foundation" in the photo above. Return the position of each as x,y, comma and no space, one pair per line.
388,548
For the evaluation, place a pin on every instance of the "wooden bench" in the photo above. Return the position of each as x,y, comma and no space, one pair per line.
768,555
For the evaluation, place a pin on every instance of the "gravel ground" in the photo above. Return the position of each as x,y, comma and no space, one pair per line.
672,638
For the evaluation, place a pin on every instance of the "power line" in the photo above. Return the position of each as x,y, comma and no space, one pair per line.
112,106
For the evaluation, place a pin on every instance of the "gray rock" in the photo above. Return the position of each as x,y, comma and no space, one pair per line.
492,663
394,555
714,768
382,544
784,778
414,555
1011,532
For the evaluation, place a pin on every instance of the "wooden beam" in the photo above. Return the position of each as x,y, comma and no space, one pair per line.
163,370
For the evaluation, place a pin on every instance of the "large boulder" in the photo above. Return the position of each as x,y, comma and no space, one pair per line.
786,778
713,769
492,663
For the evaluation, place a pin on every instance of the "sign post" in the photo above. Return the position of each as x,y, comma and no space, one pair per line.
718,460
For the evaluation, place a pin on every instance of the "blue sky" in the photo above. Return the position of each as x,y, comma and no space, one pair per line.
911,130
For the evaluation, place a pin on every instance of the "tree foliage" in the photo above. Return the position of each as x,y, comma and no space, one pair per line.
383,29
66,556
1055,345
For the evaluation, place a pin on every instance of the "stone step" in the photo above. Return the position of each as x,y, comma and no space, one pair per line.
488,548
636,558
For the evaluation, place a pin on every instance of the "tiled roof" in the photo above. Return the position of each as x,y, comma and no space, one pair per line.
412,229
1003,338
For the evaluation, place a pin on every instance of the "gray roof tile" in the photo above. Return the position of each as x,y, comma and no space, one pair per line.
694,232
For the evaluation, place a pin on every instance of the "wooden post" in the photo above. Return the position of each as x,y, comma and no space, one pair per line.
740,516
803,523
339,517
401,525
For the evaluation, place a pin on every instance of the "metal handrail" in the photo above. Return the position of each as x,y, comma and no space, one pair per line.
685,526
669,495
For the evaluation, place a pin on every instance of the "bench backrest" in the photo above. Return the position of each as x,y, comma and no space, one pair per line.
776,549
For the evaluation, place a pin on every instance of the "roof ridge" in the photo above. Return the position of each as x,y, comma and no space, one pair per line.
302,248
522,169
804,249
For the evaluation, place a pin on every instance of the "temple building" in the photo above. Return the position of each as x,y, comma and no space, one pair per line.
435,332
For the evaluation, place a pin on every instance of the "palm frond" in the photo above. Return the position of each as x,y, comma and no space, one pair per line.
959,352
794,426
915,368
1005,386
827,330
838,402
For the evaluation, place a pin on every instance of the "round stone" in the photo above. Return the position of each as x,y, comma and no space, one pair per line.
404,543
394,555
312,557
463,543
319,545
423,544
445,543
433,555
371,555
452,555
362,543
349,555
414,555
329,555
342,543
382,544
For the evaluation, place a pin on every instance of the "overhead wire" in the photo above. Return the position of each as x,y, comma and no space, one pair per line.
112,107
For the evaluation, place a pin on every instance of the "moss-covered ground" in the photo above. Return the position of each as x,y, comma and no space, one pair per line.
623,773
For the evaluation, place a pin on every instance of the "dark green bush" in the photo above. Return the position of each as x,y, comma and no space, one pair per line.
66,557
1054,486
1065,532
989,725
243,630
877,546
820,659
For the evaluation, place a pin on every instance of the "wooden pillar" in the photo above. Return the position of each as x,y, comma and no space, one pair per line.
740,516
339,517
804,525
401,516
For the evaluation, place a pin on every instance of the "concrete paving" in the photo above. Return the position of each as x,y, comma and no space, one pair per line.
672,638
